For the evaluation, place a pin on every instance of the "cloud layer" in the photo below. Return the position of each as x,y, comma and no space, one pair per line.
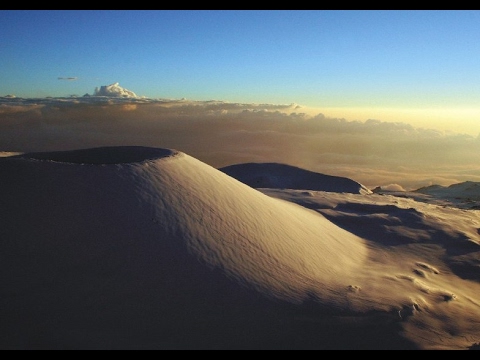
373,152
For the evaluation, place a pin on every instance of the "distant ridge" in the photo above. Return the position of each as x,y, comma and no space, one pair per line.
277,175
466,193
463,189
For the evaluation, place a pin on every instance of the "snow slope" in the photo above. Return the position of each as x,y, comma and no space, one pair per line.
147,248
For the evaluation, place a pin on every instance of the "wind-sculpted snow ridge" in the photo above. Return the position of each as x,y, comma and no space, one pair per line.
147,248
283,176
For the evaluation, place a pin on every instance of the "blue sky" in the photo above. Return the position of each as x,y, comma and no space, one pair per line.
420,67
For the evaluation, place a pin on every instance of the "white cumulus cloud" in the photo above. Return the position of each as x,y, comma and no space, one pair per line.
114,90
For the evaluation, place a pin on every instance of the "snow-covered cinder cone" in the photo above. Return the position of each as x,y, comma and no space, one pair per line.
283,176
96,237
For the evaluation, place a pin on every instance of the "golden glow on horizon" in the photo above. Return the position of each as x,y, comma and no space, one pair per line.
465,121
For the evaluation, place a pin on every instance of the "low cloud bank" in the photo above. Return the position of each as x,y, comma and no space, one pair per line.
373,152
